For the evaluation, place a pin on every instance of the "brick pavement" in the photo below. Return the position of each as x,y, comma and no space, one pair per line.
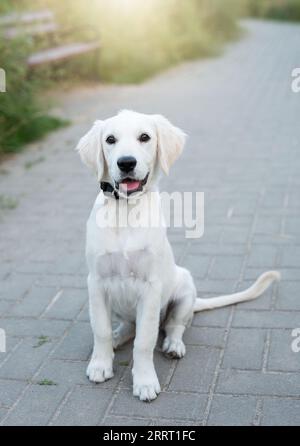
243,152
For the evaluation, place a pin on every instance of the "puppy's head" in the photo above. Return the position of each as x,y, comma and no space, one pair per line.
128,149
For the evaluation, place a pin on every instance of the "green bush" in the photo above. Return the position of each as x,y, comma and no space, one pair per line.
22,115
275,9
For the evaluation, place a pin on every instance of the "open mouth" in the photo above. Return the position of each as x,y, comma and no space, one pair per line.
131,185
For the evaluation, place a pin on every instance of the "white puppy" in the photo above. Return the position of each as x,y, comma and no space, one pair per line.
132,274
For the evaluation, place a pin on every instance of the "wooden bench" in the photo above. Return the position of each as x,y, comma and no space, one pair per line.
42,23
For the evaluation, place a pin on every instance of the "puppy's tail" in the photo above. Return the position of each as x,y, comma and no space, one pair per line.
254,291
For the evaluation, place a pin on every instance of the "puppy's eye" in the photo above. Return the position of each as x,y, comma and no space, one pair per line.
111,139
144,137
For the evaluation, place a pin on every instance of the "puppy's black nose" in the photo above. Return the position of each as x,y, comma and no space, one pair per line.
126,163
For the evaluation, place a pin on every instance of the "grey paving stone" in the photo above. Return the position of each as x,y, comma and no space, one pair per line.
4,306
292,225
262,256
206,287
232,411
288,296
245,348
15,286
68,304
33,327
205,336
48,253
239,220
182,406
77,344
199,377
293,200
70,265
11,344
84,313
25,360
70,372
30,267
291,256
33,303
265,319
59,281
3,413
268,224
235,235
36,407
168,422
9,391
211,234
197,266
273,200
215,249
290,273
281,355
258,383
64,372
252,211
281,412
5,270
226,267
124,421
273,239
214,318
74,413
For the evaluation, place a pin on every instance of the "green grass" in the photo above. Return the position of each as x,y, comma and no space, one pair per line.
46,382
23,113
41,341
275,9
8,203
30,164
124,363
16,134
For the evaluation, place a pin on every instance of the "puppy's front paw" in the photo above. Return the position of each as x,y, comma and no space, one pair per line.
173,348
146,388
99,371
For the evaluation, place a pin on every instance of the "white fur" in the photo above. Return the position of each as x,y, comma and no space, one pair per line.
132,273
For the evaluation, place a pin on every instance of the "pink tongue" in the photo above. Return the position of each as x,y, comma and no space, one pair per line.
130,186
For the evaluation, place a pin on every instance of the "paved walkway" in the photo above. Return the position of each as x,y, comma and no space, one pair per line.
243,152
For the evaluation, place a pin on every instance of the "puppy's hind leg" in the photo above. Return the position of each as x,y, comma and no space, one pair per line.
124,331
179,315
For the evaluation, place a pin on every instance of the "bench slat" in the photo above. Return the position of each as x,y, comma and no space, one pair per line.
33,30
61,52
26,17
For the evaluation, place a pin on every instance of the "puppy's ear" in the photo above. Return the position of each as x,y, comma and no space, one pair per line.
90,149
170,141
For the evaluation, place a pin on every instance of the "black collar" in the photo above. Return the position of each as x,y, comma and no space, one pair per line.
107,187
